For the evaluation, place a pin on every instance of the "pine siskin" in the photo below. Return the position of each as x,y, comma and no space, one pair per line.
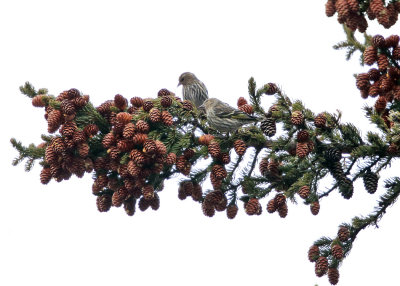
223,117
193,89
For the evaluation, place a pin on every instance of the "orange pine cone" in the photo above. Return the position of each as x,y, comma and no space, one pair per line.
205,139
137,101
124,117
214,149
246,108
142,126
166,117
37,101
240,147
155,115
304,192
241,101
330,8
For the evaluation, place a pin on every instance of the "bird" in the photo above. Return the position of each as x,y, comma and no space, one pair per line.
193,89
223,117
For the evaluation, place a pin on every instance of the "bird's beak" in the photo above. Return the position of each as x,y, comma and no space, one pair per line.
178,84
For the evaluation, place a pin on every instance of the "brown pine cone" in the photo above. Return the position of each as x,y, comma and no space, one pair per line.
303,136
167,118
378,41
314,207
225,158
148,105
280,200
271,206
297,118
183,165
166,101
91,130
396,53
207,209
313,253
148,192
283,210
137,101
160,148
392,149
130,206
380,104
45,176
264,166
241,101
108,140
232,211
374,74
188,153
124,117
164,92
342,8
155,115
333,276
337,251
330,9
119,197
304,192
187,105
370,55
321,266
155,202
219,172
301,149
214,149
129,130
171,159
252,207
383,62
120,102
320,120
362,81
392,41
216,183
83,150
272,88
353,5
240,147
143,204
54,120
103,203
142,126
139,138
205,139
343,233
247,108
149,146
197,193
38,101
137,157
273,168
67,107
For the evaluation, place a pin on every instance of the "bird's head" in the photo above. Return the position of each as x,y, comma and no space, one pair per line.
208,103
186,78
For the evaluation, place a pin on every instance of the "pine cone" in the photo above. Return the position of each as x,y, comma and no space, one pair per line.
353,5
330,9
129,130
54,120
370,182
333,155
301,149
283,210
343,233
45,176
120,102
67,107
160,148
155,202
280,200
304,192
139,139
68,128
342,8
396,53
143,204
108,140
321,266
392,149
205,139
216,183
333,276
148,192
247,108
239,146
187,105
103,203
314,207
370,55
188,153
232,211
38,101
272,89
252,207
264,166
166,101
183,165
119,197
224,158
137,157
380,104
142,126
362,81
337,251
137,101
383,62
149,146
271,206
374,74
219,172
313,253
130,206
166,118
268,127
303,136
214,149
83,150
155,115
58,145
171,159
147,105
207,209
241,101
273,168
297,118
197,193
91,130
164,92
320,120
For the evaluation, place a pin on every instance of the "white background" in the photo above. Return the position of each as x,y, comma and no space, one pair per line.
54,235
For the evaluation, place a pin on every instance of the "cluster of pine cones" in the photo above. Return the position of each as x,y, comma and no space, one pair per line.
353,12
333,254
381,82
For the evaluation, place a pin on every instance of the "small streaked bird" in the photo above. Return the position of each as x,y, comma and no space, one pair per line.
193,89
223,117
